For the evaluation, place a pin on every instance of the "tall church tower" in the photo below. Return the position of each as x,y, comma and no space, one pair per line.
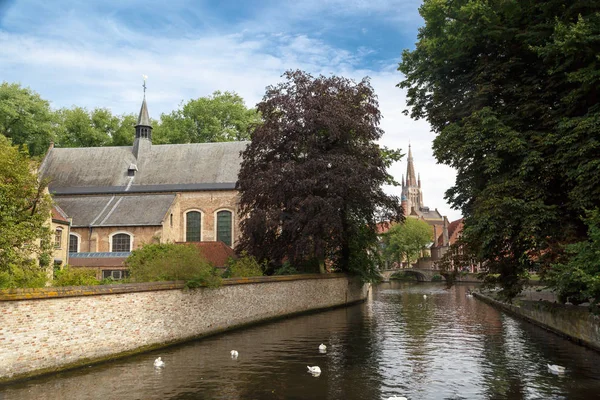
411,188
143,130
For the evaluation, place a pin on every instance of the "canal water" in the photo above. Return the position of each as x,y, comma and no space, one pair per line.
445,346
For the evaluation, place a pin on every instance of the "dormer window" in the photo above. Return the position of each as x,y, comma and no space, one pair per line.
131,170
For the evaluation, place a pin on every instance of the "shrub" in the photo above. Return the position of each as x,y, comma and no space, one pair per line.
286,269
23,276
244,266
171,262
75,277
437,278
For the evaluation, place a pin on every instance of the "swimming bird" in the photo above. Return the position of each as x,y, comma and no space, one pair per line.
314,370
234,354
158,363
557,369
425,296
322,347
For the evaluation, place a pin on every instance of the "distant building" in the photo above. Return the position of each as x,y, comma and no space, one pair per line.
119,198
414,207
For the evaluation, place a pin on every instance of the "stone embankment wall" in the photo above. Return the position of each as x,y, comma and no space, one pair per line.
49,329
574,322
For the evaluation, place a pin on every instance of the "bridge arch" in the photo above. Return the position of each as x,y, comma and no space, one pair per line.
422,275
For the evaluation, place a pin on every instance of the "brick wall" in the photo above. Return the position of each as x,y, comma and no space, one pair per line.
574,322
48,329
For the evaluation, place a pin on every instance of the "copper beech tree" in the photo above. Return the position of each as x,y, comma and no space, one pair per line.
311,179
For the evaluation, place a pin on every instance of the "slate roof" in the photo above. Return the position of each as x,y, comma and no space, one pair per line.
163,168
116,210
144,118
427,214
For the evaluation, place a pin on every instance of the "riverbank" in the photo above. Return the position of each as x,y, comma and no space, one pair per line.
576,323
51,329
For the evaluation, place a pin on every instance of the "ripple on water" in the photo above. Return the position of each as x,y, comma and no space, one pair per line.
447,346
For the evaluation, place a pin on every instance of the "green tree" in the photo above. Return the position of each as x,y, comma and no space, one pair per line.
78,127
221,117
26,118
244,266
24,220
311,178
171,262
577,279
407,240
124,134
510,87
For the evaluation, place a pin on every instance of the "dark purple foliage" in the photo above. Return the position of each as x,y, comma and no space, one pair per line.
311,180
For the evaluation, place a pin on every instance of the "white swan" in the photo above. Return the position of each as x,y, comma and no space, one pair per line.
234,354
557,369
425,296
314,370
322,347
158,363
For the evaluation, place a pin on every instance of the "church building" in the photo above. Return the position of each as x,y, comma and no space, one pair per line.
413,206
120,198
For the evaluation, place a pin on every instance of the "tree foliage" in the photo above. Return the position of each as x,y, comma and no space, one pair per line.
511,89
310,180
244,266
577,279
75,277
78,127
407,240
24,220
221,117
26,118
171,262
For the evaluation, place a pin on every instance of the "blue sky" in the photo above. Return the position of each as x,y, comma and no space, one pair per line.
93,54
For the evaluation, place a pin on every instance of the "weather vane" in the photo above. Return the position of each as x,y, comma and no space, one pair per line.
144,85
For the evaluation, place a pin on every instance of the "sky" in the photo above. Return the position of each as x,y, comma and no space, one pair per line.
93,54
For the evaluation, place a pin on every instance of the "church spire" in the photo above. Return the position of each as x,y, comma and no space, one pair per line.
143,129
411,179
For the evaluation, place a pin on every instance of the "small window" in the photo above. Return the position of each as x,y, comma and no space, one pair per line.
171,220
114,274
73,244
192,226
121,242
224,227
58,238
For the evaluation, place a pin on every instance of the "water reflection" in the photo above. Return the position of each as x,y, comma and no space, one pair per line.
447,346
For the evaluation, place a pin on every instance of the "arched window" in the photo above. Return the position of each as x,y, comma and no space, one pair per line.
193,222
58,238
224,225
120,242
73,243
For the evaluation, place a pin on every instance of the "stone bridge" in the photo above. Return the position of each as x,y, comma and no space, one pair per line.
423,275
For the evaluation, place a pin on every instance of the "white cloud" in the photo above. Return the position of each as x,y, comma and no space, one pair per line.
89,72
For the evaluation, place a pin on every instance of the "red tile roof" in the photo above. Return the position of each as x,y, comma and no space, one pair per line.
217,253
58,215
454,230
